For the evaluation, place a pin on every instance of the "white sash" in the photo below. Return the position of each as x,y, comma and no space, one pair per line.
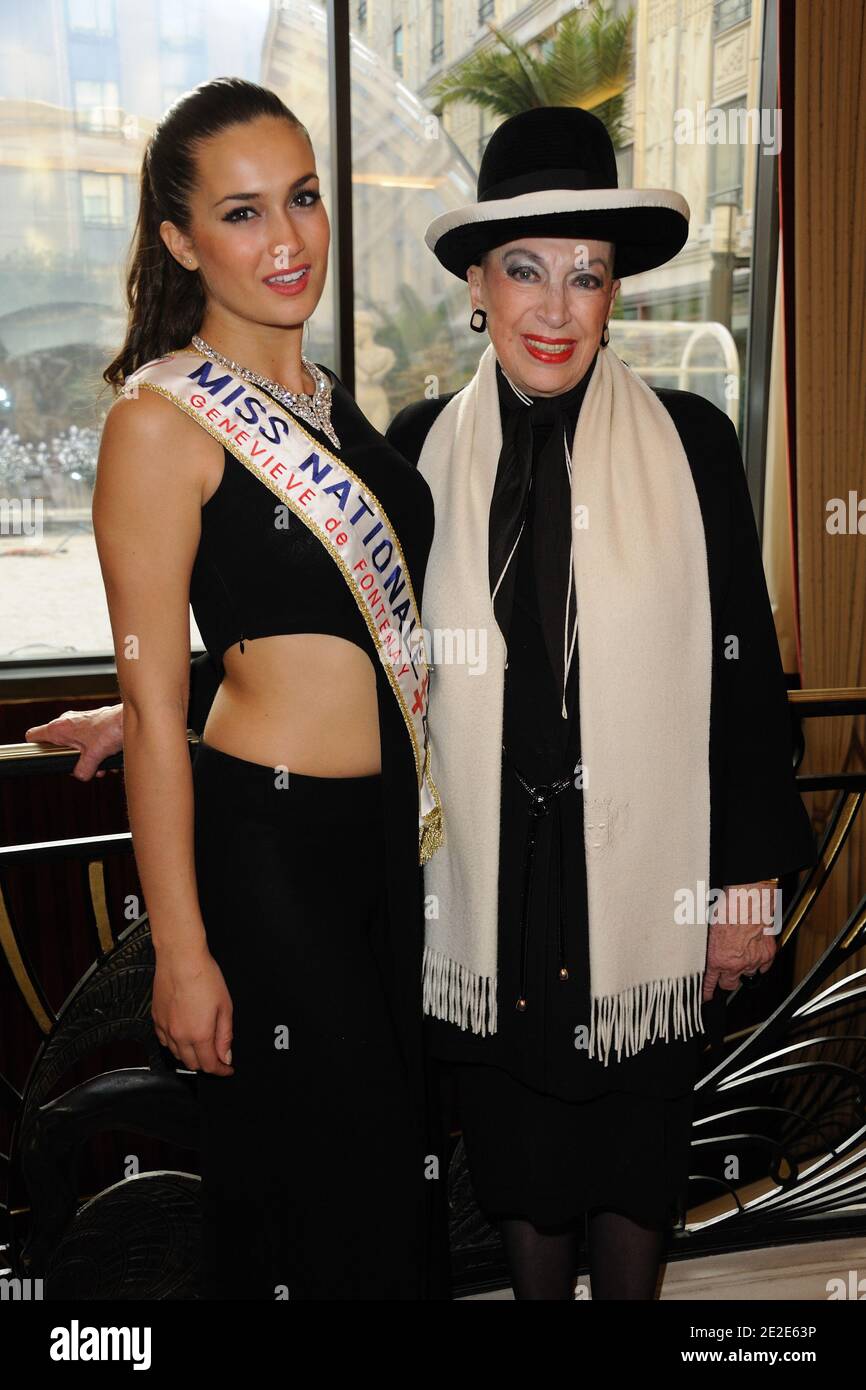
334,504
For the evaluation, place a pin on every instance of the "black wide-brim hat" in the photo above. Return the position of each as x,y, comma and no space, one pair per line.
551,171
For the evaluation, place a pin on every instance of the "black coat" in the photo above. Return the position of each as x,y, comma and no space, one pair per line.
759,825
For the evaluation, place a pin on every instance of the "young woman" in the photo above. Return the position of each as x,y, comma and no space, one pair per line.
282,872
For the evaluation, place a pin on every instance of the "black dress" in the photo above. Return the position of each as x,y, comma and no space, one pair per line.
315,871
549,1132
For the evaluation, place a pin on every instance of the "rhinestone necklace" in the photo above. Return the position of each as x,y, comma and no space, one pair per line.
315,409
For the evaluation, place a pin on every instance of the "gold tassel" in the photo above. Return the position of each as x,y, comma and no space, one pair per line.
432,834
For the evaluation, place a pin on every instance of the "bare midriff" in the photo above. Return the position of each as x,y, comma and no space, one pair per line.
303,701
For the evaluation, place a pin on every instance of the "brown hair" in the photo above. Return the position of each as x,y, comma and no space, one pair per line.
166,303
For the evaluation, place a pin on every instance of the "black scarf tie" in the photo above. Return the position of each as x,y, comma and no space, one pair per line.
534,438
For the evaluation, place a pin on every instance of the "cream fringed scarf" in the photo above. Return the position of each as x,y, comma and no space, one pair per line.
645,659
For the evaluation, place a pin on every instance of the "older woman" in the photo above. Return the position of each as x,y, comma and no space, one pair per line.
600,538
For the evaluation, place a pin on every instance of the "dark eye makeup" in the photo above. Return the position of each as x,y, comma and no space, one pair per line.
515,271
313,194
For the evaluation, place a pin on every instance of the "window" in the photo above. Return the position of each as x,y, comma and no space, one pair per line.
96,106
438,49
731,12
102,200
725,183
70,200
362,12
486,10
410,321
94,17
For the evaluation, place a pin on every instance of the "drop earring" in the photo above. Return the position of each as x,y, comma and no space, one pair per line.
481,323
605,338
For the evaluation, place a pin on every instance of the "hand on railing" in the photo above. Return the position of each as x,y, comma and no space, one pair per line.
98,733
739,942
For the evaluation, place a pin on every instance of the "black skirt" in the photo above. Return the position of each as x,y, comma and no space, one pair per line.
549,1160
312,1156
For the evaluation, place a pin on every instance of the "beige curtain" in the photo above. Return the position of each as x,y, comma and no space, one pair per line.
829,122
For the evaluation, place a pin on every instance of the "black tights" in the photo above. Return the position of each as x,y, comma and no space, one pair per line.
624,1257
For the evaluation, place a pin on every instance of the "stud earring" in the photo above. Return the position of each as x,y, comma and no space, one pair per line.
478,320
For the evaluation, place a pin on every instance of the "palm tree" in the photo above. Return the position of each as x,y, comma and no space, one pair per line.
586,64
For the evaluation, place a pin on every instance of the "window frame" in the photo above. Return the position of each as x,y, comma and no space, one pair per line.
96,674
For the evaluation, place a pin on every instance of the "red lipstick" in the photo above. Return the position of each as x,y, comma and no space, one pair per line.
548,349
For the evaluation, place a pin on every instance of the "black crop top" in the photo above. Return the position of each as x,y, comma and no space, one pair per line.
255,578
